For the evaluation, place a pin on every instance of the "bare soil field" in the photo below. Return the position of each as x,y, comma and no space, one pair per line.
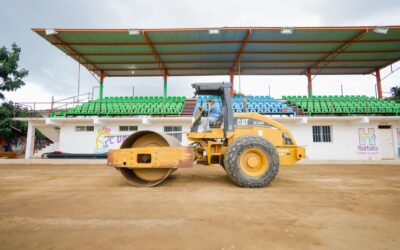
306,207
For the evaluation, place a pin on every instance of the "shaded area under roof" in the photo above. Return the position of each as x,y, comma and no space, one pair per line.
250,50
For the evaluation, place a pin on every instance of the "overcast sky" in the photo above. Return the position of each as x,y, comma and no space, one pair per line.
52,73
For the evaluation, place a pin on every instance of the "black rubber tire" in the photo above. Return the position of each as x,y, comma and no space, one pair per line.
232,161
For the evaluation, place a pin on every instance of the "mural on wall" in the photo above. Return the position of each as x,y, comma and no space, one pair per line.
367,141
105,141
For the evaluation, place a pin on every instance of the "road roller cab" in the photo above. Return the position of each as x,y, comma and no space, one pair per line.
221,90
249,146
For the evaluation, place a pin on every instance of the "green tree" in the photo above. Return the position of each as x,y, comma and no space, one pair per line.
11,78
9,128
395,93
10,75
237,93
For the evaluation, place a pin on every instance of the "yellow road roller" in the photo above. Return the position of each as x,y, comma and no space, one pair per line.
249,146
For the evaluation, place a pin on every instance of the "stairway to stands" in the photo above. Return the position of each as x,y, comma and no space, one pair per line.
50,132
49,148
188,107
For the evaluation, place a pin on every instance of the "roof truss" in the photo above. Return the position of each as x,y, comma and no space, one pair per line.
261,50
331,57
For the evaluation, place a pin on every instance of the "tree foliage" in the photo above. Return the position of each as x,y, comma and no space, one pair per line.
11,79
10,75
237,93
395,93
9,128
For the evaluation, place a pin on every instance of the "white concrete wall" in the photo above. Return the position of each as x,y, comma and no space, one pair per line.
397,140
107,136
345,141
344,146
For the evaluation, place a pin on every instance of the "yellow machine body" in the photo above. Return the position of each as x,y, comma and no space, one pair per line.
256,146
250,124
211,143
152,157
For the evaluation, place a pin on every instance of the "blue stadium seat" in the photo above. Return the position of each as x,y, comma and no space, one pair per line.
259,104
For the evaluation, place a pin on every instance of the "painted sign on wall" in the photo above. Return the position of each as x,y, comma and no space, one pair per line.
367,141
105,141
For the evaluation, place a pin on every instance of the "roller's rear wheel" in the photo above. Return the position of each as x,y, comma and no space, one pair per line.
251,161
141,177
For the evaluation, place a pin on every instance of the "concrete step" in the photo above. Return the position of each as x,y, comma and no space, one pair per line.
50,132
49,148
188,108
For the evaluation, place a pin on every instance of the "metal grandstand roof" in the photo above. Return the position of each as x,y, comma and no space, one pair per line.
250,50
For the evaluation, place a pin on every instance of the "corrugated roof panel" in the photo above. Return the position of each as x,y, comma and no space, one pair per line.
282,56
244,65
272,72
127,66
392,34
199,57
136,73
315,35
353,56
199,72
86,42
291,47
100,37
197,48
196,36
147,58
198,65
111,49
330,71
375,46
358,64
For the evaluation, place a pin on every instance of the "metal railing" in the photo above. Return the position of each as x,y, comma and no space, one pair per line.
40,109
74,100
333,107
326,107
45,109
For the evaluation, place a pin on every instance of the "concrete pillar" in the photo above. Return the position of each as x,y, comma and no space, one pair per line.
165,83
101,84
378,82
309,79
30,141
231,79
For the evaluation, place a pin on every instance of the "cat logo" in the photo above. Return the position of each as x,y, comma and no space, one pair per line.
242,122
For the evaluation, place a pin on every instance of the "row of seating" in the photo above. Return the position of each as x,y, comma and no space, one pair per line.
141,99
173,105
330,98
152,105
262,105
238,98
344,105
257,104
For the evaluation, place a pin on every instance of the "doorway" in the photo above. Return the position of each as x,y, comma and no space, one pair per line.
386,142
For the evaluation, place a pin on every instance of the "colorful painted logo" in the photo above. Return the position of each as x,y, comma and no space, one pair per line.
367,141
368,138
105,141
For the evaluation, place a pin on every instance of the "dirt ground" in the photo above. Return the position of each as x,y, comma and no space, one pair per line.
306,207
